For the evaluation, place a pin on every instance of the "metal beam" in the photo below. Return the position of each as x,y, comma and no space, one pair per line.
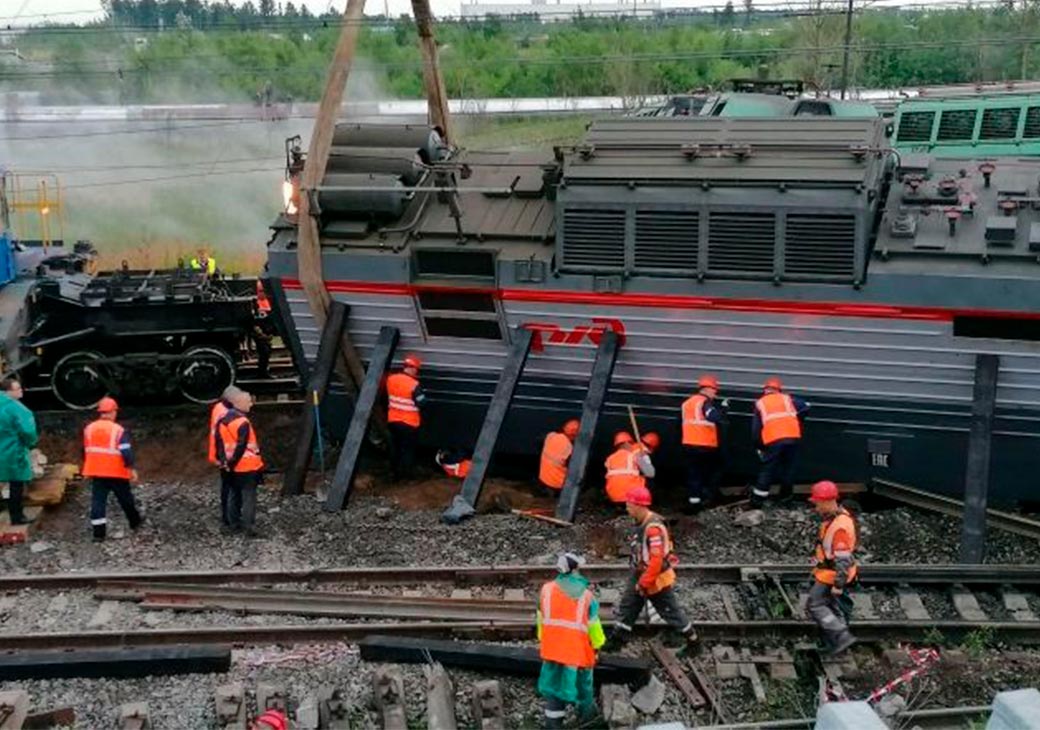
346,467
602,370
976,472
319,383
129,662
494,418
491,657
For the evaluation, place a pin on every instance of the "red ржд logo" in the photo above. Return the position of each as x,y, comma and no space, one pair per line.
544,333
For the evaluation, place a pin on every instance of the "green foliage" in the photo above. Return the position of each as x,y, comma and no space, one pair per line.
978,641
192,50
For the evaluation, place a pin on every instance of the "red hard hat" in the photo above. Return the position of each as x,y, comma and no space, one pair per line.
570,429
774,382
652,440
623,437
107,405
638,495
412,361
824,491
708,381
272,719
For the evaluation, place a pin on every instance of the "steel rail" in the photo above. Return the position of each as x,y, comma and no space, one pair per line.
879,574
922,717
1019,633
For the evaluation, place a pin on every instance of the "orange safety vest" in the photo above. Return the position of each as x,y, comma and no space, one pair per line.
565,627
552,471
102,457
460,470
666,577
218,411
779,418
696,429
826,550
250,460
401,407
262,302
623,474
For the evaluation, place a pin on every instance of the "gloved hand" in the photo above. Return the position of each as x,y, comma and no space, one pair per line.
724,404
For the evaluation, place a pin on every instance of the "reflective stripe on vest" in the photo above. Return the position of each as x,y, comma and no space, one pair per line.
696,429
552,469
401,407
102,454
666,577
623,474
460,470
824,552
779,418
565,627
251,460
218,411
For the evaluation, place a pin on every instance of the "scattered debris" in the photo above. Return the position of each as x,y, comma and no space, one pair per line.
616,704
650,697
750,518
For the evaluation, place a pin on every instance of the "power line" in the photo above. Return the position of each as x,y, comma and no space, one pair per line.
166,178
116,132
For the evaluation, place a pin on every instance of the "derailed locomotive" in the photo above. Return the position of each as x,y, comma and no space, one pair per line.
800,247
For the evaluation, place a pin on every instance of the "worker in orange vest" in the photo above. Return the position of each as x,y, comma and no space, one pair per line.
218,411
653,573
263,331
701,417
835,568
405,399
453,462
570,634
556,454
627,468
108,459
238,452
776,429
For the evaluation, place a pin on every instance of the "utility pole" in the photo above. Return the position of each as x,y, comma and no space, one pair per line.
848,50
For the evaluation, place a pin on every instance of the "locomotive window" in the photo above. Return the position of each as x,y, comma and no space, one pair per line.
459,314
462,301
478,329
956,124
999,124
916,126
1032,130
999,328
432,263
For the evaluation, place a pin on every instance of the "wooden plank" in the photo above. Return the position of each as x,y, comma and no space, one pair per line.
595,396
346,466
496,415
507,659
49,490
749,671
976,472
433,80
45,719
676,673
122,663
296,474
14,706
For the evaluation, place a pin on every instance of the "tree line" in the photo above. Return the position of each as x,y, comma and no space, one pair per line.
194,50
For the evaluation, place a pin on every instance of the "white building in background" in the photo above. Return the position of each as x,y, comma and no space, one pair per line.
549,10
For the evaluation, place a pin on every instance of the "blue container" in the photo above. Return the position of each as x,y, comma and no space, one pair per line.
7,269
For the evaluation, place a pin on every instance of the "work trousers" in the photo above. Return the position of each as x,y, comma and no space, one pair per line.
777,466
829,612
664,602
225,493
15,490
702,467
403,442
101,487
241,511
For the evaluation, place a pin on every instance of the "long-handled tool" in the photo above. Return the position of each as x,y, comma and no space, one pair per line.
635,426
317,431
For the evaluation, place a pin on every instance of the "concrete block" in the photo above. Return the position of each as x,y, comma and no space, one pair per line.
1017,709
615,701
649,699
663,726
848,716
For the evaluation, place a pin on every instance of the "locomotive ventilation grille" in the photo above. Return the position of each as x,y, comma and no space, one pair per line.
916,126
1032,125
820,245
667,240
594,238
741,242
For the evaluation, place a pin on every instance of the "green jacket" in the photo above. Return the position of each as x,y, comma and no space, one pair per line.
17,436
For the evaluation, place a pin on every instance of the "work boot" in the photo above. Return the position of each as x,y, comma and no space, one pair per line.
615,641
99,533
843,642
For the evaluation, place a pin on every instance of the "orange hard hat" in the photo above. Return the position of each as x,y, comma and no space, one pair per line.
271,720
412,361
708,381
107,405
651,440
570,429
774,382
823,491
638,495
623,437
